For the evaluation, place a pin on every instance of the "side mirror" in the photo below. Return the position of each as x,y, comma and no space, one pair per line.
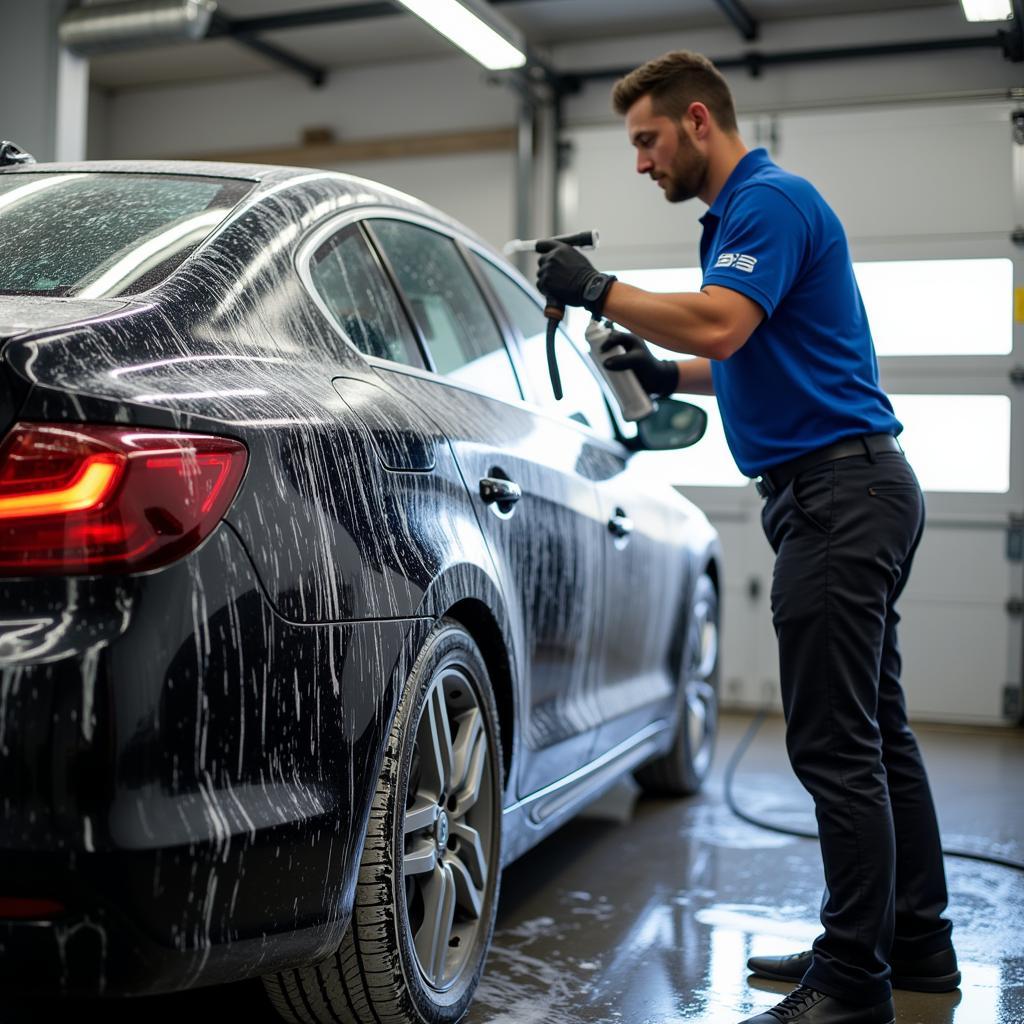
673,424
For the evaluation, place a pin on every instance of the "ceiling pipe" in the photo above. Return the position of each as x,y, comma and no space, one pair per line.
101,28
755,62
107,28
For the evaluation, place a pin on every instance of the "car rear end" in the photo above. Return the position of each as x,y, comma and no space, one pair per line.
168,796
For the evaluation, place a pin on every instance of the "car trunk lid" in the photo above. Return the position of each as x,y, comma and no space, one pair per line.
23,313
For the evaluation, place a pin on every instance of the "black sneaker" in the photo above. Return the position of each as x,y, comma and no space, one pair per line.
807,1006
935,973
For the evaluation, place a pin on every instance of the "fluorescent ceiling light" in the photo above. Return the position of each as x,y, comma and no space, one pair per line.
987,10
466,25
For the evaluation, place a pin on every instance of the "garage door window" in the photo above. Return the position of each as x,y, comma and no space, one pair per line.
957,442
463,340
939,307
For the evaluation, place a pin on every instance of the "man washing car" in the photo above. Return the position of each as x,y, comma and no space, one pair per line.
781,337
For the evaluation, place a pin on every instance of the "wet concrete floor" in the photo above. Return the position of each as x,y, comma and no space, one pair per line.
645,911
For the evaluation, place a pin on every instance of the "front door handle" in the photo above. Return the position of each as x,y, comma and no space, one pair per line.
495,490
620,525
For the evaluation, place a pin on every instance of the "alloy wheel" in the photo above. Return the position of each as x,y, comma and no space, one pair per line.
450,815
701,698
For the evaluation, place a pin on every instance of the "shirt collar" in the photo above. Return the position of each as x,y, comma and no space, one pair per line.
751,163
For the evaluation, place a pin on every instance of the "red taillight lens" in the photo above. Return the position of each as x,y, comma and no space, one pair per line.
22,909
85,499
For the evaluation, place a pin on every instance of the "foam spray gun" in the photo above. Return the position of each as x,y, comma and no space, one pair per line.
630,394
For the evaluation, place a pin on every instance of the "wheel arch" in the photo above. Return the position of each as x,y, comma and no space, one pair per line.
479,621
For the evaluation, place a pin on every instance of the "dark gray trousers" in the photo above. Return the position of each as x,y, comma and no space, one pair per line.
844,534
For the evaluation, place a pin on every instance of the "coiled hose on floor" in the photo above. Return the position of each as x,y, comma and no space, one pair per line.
750,819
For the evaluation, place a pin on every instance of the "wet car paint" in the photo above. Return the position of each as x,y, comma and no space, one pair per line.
187,756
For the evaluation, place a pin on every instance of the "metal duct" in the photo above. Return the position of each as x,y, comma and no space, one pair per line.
106,27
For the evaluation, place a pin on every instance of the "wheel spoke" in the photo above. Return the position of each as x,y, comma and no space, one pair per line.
470,758
467,895
471,852
423,814
421,859
440,737
439,915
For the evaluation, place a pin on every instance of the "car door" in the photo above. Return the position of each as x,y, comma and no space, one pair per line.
645,567
548,544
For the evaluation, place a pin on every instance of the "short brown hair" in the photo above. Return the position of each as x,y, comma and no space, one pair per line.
673,82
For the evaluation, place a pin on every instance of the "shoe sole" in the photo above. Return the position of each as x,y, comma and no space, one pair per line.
943,983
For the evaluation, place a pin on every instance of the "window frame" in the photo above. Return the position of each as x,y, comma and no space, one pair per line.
364,216
485,298
376,263
515,334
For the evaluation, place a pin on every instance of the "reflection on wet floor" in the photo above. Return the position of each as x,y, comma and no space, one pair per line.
652,918
645,911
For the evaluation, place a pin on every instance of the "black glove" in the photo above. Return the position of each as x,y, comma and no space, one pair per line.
658,377
565,275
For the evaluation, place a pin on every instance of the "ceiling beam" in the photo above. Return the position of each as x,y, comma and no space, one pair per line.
741,18
223,25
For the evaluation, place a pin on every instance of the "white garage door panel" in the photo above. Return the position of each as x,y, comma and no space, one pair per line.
960,563
927,171
955,658
917,172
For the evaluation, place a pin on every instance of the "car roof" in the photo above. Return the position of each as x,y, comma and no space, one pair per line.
267,179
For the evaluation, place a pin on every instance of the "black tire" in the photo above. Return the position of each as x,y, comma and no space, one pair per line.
682,769
404,901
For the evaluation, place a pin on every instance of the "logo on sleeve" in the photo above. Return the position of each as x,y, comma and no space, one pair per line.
738,260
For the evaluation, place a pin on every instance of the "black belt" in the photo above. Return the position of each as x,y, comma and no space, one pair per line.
775,479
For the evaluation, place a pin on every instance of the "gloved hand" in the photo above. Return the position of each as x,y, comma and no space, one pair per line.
658,377
567,276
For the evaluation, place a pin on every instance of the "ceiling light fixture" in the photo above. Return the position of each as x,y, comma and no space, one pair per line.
476,28
987,10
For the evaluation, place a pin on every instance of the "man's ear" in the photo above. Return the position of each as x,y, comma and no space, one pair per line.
699,118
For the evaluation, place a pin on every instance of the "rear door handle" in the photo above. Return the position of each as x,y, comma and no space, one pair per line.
497,491
620,525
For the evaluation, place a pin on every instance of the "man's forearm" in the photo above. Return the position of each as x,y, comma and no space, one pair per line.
686,322
695,377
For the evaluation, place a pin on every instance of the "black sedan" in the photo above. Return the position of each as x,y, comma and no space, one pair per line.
316,608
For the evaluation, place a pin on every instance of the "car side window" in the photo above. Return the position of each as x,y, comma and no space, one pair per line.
583,399
448,307
362,302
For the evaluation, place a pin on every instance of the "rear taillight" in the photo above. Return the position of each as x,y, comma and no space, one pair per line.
82,499
21,909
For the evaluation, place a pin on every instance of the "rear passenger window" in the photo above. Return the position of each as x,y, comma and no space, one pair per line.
463,340
360,298
583,398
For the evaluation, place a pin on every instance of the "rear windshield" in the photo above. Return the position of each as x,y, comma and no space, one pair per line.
105,234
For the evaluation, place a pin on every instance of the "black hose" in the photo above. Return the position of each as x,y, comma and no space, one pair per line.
556,380
730,799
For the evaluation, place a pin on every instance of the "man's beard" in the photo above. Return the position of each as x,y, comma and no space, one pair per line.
689,169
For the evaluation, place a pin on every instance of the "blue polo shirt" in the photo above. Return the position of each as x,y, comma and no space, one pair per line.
808,375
